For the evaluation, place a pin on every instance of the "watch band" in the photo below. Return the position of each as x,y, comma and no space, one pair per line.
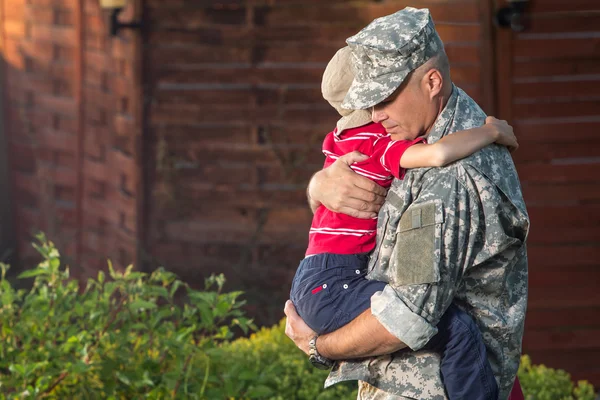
315,358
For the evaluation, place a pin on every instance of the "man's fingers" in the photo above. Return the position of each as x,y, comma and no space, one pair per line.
357,214
289,309
291,314
370,186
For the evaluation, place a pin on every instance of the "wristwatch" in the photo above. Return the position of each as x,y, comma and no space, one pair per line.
315,358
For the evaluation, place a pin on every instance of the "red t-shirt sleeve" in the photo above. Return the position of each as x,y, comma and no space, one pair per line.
328,150
390,152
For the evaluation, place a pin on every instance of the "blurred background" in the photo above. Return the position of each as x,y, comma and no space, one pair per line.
183,133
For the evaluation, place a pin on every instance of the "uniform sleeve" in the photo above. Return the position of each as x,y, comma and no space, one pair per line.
389,153
436,239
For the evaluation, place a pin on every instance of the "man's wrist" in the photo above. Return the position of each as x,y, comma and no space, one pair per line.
317,359
492,131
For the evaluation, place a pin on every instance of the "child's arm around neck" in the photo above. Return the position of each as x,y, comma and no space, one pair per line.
459,145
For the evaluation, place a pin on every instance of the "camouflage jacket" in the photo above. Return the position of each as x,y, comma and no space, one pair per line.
448,234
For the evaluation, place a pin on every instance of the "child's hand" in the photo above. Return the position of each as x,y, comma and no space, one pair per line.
503,133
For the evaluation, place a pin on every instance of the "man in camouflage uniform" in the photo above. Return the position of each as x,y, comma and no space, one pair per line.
453,234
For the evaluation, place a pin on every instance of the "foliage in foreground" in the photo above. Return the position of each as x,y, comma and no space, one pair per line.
121,338
127,337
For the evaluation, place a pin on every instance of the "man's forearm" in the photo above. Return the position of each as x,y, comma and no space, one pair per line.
363,337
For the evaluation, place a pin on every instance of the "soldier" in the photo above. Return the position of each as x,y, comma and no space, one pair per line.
445,235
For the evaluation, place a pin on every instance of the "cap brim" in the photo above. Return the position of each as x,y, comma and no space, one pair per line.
354,120
363,95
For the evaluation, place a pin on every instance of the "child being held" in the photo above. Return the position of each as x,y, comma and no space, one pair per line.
330,287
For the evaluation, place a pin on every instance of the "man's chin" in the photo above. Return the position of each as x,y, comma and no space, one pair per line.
401,136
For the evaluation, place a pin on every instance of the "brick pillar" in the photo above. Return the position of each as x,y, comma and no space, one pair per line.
73,130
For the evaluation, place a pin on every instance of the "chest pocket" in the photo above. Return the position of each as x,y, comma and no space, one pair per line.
416,254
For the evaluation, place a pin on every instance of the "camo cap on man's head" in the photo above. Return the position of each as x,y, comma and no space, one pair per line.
386,51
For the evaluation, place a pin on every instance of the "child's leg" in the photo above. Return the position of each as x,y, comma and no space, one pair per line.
330,290
466,371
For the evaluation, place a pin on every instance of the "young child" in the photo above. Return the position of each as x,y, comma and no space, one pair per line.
330,288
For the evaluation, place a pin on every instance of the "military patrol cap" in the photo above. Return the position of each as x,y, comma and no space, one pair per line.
386,52
337,78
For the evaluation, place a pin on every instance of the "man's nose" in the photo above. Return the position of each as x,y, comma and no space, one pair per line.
377,115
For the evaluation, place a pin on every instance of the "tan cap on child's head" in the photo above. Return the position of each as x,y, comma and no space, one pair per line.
337,79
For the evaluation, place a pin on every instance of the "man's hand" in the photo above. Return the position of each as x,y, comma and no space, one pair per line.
295,327
503,132
342,190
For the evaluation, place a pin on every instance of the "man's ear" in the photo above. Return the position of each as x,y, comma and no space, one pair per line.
434,82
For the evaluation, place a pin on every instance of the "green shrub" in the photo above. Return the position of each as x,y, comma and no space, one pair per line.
127,338
123,338
542,383
268,363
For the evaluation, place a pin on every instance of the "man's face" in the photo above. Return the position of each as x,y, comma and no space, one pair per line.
408,113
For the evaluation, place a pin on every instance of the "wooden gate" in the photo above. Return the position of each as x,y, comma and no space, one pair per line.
548,86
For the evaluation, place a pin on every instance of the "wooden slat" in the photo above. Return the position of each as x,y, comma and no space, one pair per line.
553,48
577,172
558,340
557,108
531,151
553,131
550,235
565,67
575,255
550,318
563,297
543,276
586,86
567,193
558,217
563,6
555,23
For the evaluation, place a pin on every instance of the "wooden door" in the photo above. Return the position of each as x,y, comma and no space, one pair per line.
548,87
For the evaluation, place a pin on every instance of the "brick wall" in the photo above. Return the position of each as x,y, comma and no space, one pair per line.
73,130
236,122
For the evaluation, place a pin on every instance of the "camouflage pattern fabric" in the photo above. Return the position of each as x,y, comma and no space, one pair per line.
471,219
386,52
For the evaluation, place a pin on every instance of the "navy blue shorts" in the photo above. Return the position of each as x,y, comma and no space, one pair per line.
330,290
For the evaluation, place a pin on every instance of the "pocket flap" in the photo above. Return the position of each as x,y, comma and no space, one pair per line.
421,215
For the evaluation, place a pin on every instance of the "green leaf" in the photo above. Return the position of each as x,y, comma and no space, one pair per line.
33,272
123,378
176,285
142,304
260,391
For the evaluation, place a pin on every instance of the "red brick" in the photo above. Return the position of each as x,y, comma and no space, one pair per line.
95,24
96,115
22,158
14,55
121,50
95,151
58,104
55,34
161,54
124,125
16,11
95,170
58,140
15,29
192,18
92,7
69,4
95,41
